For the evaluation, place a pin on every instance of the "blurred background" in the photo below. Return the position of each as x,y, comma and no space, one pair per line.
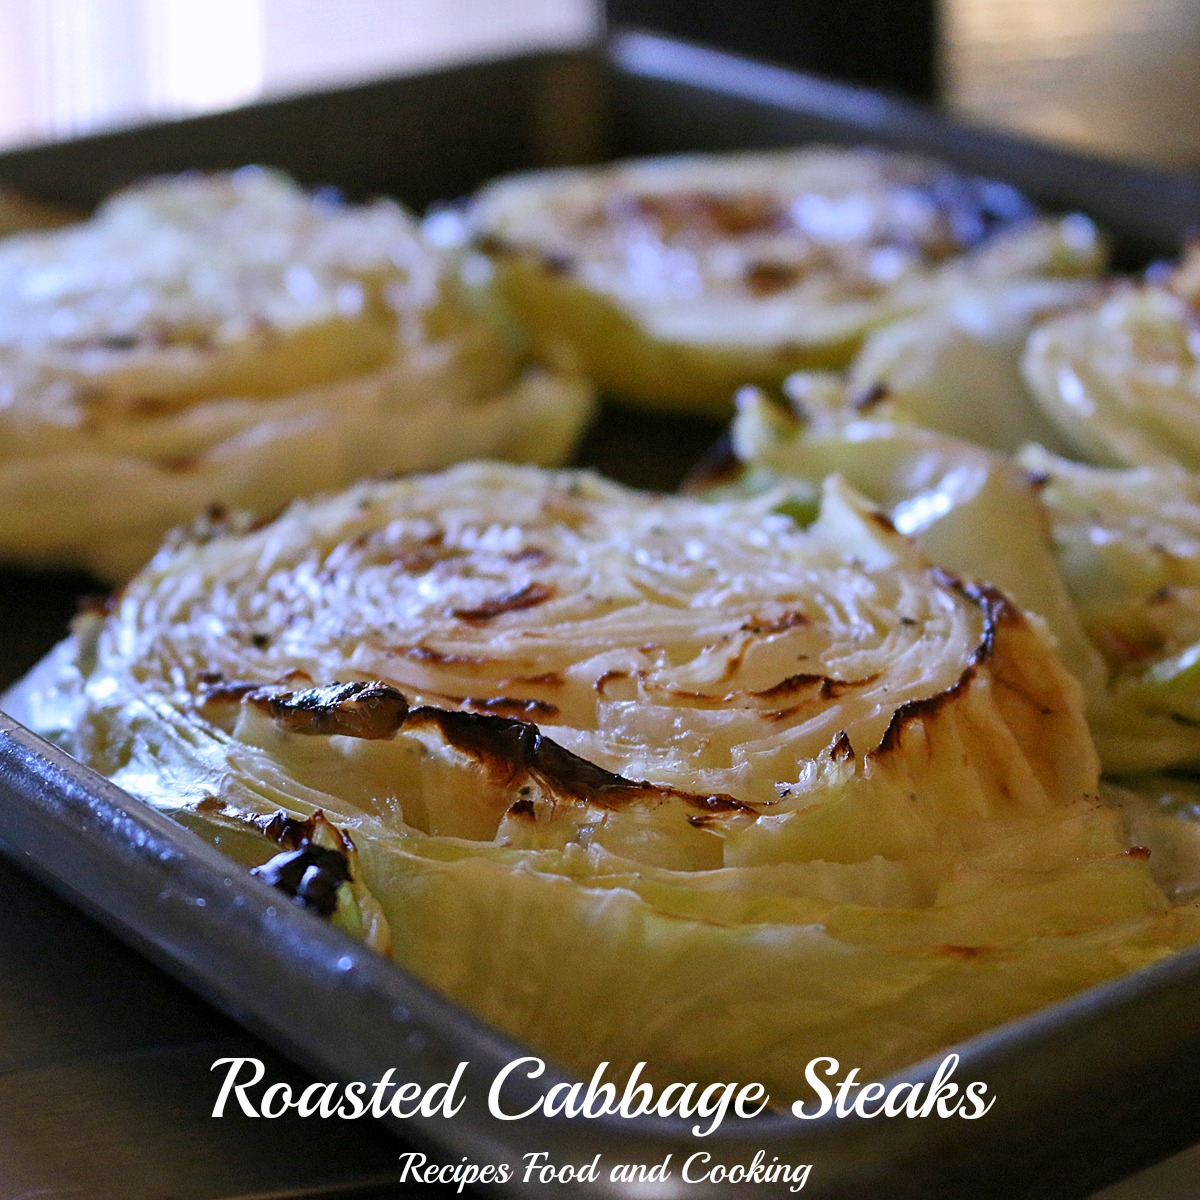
1117,77
72,66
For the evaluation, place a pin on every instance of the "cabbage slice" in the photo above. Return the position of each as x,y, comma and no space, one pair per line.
671,282
634,778
232,340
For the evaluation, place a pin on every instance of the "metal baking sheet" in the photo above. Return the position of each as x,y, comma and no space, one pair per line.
1087,1091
